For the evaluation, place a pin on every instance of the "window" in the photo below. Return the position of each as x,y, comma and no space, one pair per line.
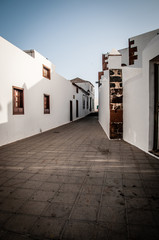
18,100
46,72
46,104
76,89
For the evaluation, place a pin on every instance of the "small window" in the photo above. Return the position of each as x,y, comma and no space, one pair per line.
46,104
76,89
18,100
46,72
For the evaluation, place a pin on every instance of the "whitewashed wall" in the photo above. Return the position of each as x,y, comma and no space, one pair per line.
138,98
19,69
125,55
104,112
141,41
88,86
134,98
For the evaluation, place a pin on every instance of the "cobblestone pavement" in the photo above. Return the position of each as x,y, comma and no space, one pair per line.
73,183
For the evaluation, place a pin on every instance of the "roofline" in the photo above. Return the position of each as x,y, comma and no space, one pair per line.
82,80
74,84
157,29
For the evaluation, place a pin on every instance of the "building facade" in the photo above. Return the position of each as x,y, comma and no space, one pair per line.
34,98
129,92
88,93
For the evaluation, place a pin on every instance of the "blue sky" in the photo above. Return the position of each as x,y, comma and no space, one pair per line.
73,34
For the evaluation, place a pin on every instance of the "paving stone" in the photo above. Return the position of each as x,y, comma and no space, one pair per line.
32,184
134,192
33,208
132,183
114,175
6,191
110,182
4,217
86,212
43,196
11,205
20,223
89,199
113,201
113,191
79,231
102,232
56,179
73,183
117,231
48,228
91,189
22,193
58,210
70,187
143,232
39,177
14,183
138,203
48,186
152,192
15,236
113,214
23,175
94,181
3,180
140,216
65,197
73,179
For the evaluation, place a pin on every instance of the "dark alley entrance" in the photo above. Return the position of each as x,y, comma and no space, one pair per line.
156,109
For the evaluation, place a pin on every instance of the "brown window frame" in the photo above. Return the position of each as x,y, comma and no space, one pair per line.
47,105
18,110
48,76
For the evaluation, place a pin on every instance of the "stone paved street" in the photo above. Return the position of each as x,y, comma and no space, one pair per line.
73,183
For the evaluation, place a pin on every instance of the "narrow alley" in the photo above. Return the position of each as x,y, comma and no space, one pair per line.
73,183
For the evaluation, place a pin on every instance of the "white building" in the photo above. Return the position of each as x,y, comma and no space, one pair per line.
88,93
34,98
129,92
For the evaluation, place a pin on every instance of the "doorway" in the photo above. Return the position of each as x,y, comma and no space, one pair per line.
90,104
71,111
77,109
156,108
